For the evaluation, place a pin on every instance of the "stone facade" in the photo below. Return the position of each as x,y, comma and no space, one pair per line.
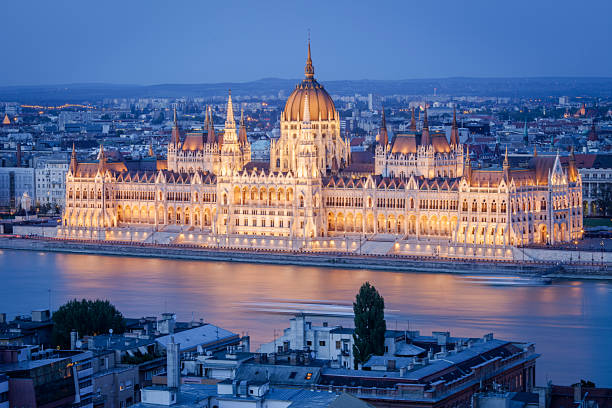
421,191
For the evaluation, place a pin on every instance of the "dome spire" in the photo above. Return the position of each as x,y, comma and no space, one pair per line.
309,69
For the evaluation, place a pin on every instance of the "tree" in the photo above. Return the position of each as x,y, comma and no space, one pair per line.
87,317
370,325
603,199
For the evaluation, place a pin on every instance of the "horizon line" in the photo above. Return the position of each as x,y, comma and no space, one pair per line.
298,79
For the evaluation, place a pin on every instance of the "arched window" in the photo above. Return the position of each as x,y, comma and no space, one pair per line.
474,206
543,204
301,201
464,206
483,207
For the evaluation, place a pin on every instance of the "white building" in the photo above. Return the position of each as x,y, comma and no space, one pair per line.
333,343
51,179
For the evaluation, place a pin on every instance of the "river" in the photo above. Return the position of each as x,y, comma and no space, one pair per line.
570,321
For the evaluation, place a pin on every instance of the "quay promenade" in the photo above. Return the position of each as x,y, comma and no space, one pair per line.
591,265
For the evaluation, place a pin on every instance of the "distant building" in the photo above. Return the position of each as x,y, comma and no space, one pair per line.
596,172
14,183
51,180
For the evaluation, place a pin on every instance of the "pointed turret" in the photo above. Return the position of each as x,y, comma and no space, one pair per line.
454,136
572,169
242,133
230,122
212,138
413,122
101,159
506,165
468,164
383,136
176,133
73,161
425,141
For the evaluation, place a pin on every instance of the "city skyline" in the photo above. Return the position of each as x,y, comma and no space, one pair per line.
211,43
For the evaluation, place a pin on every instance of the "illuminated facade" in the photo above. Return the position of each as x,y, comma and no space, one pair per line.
421,194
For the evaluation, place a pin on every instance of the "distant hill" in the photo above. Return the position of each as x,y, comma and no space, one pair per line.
503,87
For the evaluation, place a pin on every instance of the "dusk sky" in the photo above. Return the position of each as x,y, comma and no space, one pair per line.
152,42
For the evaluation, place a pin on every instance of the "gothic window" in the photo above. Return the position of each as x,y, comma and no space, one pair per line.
474,206
464,207
543,205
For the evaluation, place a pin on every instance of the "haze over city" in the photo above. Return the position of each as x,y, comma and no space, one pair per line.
153,42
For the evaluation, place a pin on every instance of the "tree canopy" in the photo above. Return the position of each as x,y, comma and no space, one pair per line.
370,325
87,317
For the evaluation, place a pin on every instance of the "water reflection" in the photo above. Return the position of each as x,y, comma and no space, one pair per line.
568,320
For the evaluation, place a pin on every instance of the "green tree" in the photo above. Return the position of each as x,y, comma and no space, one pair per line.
370,325
87,317
604,199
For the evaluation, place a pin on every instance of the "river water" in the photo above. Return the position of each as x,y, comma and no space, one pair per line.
570,321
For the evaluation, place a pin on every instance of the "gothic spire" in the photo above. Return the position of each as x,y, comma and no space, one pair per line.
454,136
73,160
242,135
425,134
211,128
383,136
309,69
506,157
230,122
176,135
506,166
101,159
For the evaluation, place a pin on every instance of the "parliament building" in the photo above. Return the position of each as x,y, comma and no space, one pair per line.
418,195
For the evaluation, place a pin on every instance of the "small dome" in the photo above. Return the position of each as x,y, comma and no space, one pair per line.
319,100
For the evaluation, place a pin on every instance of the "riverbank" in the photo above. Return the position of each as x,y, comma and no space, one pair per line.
583,270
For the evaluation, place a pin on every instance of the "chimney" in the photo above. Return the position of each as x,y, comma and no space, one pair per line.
173,364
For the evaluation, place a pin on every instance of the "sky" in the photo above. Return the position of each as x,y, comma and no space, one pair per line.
154,42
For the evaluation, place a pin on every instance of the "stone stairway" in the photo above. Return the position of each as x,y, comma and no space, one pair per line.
376,247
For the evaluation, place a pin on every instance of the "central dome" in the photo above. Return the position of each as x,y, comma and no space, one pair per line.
321,104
